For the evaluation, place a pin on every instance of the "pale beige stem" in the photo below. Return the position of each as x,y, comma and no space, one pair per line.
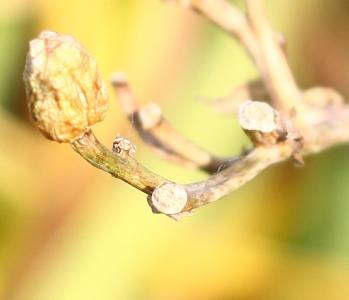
274,68
253,90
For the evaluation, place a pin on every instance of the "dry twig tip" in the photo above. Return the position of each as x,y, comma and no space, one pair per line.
259,116
169,198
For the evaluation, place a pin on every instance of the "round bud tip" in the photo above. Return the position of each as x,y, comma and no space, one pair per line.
150,115
66,93
169,198
118,79
258,116
123,146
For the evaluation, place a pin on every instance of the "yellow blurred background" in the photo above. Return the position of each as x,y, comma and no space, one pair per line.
69,231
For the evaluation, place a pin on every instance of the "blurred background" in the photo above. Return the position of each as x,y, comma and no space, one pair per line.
69,231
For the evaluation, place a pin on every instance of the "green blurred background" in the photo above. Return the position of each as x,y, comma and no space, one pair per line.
69,231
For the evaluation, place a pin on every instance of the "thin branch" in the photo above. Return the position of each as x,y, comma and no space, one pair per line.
274,66
229,18
264,46
297,128
318,98
332,131
251,90
173,199
158,133
237,174
273,144
119,163
327,134
301,123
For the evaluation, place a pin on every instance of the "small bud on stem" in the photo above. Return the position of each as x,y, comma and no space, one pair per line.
169,198
123,146
261,123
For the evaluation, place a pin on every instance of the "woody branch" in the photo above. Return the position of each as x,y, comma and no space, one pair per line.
308,116
296,123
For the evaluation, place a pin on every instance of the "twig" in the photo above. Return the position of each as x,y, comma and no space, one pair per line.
273,65
251,90
301,123
262,45
119,164
276,135
273,144
174,199
315,97
158,133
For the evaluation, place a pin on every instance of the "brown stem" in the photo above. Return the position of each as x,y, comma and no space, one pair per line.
274,66
252,90
319,121
237,174
118,165
227,17
261,43
274,142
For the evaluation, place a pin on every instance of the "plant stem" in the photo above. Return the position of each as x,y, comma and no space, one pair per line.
119,165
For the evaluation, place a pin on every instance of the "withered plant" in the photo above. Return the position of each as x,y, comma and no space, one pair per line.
66,95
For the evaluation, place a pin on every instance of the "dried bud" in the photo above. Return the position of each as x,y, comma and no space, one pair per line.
257,116
123,146
66,93
169,198
261,123
150,115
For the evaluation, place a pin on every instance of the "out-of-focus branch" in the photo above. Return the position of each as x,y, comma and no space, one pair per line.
296,123
274,67
262,44
332,130
315,97
158,133
229,18
251,90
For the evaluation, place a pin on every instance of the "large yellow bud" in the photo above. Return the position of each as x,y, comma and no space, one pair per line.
66,93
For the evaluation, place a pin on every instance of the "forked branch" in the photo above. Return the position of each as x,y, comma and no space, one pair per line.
157,132
294,123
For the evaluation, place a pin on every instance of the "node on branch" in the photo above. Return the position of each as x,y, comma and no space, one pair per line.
168,198
261,123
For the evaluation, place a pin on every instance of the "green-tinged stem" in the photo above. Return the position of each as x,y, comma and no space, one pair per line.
241,171
119,165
